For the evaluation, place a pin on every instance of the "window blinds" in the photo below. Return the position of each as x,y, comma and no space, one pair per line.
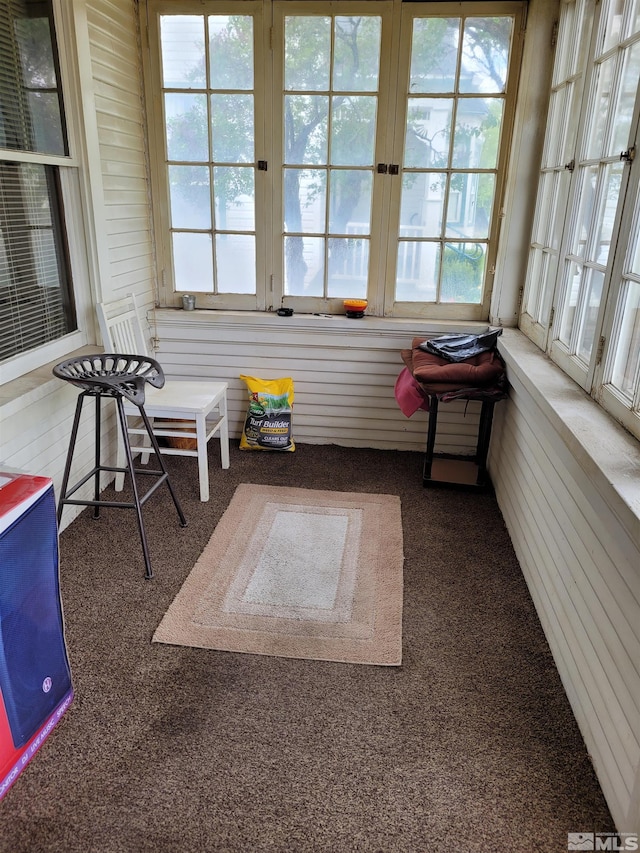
31,114
34,301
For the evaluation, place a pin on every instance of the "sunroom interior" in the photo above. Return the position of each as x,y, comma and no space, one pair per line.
565,470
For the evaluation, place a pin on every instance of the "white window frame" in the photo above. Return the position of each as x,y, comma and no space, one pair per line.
542,311
385,215
72,204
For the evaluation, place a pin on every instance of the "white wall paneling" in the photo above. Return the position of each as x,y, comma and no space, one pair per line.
560,486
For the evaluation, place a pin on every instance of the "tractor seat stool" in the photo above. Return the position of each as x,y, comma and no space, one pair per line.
117,376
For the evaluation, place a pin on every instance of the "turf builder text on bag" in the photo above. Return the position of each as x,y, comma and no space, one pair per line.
267,424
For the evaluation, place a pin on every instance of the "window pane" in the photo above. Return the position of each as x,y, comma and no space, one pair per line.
422,204
340,56
31,109
230,52
417,271
612,182
477,133
626,99
235,197
573,283
235,263
348,267
353,130
192,262
305,131
452,143
35,292
307,56
596,142
462,272
350,202
186,127
470,202
428,132
434,55
182,51
485,54
589,314
232,130
304,266
190,196
625,374
305,200
627,353
584,218
356,54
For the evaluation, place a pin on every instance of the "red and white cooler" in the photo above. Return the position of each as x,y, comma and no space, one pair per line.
35,678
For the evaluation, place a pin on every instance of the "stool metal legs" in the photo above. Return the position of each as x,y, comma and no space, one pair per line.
466,472
138,500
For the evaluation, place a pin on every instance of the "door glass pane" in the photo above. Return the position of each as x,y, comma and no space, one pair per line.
235,263
485,54
192,262
182,51
462,272
231,52
234,197
232,134
422,203
186,126
305,200
348,267
353,130
304,266
305,132
428,132
307,53
434,55
357,54
477,133
469,207
350,194
418,271
190,196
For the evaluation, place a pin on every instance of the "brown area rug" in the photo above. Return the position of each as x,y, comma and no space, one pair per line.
297,573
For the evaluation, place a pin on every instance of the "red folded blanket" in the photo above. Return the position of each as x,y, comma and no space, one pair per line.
437,375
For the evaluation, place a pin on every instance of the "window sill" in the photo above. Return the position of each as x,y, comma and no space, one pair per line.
35,385
322,322
606,452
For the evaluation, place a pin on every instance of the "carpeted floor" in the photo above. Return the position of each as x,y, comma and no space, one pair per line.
469,746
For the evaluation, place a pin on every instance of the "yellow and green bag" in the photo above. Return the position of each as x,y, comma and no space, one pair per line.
267,425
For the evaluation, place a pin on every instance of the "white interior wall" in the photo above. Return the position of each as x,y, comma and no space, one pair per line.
344,373
567,480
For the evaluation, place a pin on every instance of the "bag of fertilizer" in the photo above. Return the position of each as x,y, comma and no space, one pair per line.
267,425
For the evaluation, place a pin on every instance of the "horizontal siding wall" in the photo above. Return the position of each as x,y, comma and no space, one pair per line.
581,561
117,88
36,427
344,373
